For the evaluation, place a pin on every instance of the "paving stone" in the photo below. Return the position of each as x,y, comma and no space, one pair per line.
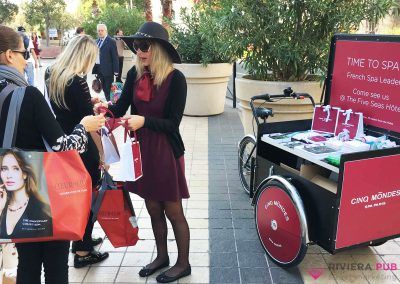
255,260
255,275
249,246
224,275
223,259
243,214
221,205
216,213
220,223
218,196
285,276
222,234
218,245
239,204
247,224
246,234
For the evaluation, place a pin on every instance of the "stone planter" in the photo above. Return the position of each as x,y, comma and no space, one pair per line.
284,110
129,60
206,87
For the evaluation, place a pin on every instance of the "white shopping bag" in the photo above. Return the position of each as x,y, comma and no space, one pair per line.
130,166
110,149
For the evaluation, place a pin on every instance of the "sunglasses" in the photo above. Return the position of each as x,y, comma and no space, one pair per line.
144,46
25,53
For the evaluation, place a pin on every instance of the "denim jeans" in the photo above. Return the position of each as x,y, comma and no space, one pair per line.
30,73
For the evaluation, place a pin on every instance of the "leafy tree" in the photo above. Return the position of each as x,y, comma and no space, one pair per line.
7,11
286,39
376,10
148,10
166,10
44,12
128,20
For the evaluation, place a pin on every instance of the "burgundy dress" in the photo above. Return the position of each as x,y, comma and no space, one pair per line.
163,175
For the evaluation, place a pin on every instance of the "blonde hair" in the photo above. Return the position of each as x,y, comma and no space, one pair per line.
161,64
78,58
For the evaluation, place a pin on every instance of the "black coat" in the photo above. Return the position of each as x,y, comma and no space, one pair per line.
109,63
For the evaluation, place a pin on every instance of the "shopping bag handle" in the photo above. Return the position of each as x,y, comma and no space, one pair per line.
107,183
127,131
110,126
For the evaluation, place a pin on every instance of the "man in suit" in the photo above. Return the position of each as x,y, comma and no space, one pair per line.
107,65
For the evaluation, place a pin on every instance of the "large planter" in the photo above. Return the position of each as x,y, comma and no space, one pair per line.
284,110
206,87
129,61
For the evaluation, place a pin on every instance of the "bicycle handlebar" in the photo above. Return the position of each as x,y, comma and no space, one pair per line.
287,94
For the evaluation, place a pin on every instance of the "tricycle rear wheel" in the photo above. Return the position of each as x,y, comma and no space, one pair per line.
281,224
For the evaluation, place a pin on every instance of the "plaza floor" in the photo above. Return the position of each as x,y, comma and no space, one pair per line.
224,244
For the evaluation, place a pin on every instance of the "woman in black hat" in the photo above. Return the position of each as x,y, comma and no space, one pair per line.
156,93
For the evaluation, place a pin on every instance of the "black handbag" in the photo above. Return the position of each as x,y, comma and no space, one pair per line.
96,85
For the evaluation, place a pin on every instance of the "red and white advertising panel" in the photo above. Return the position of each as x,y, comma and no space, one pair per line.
325,119
369,201
366,79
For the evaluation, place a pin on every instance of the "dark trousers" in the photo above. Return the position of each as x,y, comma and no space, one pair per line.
121,65
53,255
86,243
106,82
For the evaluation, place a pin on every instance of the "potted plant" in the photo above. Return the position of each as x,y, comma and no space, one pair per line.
206,59
283,42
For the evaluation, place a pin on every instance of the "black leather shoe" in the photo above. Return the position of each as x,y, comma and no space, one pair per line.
144,272
92,258
163,278
95,242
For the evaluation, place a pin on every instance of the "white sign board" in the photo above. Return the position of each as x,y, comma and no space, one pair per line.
53,33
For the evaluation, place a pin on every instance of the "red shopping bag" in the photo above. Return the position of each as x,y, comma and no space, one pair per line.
114,211
59,191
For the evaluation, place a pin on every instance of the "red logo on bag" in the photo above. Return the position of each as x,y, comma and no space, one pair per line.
137,160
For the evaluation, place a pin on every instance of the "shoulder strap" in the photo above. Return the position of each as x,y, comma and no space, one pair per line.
5,92
12,117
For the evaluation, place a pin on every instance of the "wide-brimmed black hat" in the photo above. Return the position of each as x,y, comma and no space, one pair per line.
154,32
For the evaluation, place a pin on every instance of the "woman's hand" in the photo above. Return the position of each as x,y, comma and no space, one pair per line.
93,122
95,100
98,105
3,197
134,122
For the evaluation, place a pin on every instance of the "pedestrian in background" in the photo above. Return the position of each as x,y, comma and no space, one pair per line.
120,48
31,60
107,65
36,46
70,99
80,31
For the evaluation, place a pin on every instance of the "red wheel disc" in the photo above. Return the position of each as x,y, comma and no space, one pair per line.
278,224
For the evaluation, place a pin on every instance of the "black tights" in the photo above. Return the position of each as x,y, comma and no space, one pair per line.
174,212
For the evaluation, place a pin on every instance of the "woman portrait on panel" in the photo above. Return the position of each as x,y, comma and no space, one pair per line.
24,213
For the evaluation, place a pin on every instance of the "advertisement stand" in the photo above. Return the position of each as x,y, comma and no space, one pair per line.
301,200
